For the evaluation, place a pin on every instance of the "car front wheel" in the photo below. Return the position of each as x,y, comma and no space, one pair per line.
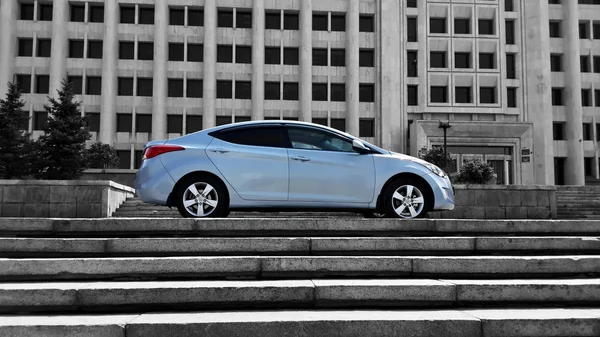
202,197
406,199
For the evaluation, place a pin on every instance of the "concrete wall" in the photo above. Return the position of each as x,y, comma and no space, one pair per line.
61,198
502,202
123,177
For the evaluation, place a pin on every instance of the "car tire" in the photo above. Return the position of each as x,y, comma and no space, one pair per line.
202,196
417,206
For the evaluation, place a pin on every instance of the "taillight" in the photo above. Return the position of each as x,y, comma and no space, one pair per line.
157,150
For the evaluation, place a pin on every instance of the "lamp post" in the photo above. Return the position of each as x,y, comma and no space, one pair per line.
445,126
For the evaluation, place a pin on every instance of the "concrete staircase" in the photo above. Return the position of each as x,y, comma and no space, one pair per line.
299,277
578,202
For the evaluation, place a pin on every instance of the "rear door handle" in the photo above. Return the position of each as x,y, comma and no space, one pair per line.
219,150
300,158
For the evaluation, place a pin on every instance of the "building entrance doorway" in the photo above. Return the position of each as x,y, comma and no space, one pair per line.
500,158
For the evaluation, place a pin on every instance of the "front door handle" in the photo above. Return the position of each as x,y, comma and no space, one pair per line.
219,150
300,158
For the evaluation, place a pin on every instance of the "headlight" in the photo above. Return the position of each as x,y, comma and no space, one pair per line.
434,169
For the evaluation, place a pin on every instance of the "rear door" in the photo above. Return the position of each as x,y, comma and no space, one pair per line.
253,159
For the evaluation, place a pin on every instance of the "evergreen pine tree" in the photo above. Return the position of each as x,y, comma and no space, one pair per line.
15,144
61,150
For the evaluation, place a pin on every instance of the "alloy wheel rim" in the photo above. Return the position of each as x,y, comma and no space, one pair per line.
200,199
408,201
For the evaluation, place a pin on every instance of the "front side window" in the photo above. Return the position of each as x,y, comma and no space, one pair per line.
313,139
265,136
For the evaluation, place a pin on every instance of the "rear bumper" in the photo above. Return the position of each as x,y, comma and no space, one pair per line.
153,184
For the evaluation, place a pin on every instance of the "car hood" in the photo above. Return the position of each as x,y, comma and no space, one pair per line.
407,157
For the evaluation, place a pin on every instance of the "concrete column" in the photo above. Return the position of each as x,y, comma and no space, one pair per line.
159,93
258,59
388,30
538,86
305,83
60,47
574,170
110,55
9,11
210,64
352,67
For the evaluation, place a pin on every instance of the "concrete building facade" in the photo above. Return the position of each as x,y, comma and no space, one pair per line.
518,80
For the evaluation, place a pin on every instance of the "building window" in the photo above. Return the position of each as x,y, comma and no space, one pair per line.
439,94
366,93
24,83
224,89
339,124
144,87
319,92
243,19
511,69
195,52
366,24
225,18
558,131
584,31
320,121
338,22
194,88
45,12
143,123
127,14
126,50
585,64
556,62
243,54
462,26
42,84
125,86
223,120
462,60
146,16
437,25
272,55
225,54
510,31
508,6
240,119
273,20
44,47
338,92
586,97
411,3
94,49
366,58
511,97
411,63
40,120
319,56
320,22
195,17
487,95
413,95
76,49
25,47
146,51
290,91
272,92
438,59
598,131
243,89
26,11
366,127
486,27
291,21
175,124
486,61
596,30
555,29
463,94
193,124
338,57
587,131
124,159
175,87
597,97
411,30
93,85
96,13
557,96
77,13
597,64
176,51
76,84
176,16
93,121
290,56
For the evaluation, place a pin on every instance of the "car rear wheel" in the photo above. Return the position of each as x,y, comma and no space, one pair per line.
202,197
406,199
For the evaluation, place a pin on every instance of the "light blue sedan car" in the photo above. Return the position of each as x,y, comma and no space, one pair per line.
287,166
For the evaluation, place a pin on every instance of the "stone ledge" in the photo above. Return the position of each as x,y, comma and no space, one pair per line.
109,183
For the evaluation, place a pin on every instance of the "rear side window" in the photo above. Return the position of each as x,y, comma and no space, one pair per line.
254,136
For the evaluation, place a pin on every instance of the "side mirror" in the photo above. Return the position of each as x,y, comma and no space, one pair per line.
360,147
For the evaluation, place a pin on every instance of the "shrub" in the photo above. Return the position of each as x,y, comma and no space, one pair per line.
101,156
436,157
15,144
475,171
